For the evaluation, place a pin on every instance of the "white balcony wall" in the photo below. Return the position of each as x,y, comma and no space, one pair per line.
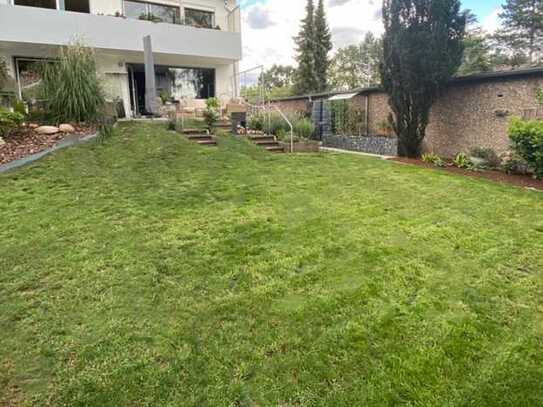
29,25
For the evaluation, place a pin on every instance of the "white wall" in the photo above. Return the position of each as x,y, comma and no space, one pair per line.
114,76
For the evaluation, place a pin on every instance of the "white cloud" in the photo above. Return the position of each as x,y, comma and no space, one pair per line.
492,22
269,28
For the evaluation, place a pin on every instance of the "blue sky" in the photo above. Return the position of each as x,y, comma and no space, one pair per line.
270,25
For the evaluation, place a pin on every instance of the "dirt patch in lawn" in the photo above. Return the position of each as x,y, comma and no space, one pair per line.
524,181
25,142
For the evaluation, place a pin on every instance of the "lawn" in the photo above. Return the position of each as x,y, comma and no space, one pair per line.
148,270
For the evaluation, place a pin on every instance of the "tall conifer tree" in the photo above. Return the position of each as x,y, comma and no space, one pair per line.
306,77
322,46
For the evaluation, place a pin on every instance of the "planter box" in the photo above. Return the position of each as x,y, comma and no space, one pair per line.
302,146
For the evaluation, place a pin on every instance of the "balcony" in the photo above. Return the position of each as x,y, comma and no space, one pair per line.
39,26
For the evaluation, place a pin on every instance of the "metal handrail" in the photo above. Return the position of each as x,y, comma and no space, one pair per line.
289,124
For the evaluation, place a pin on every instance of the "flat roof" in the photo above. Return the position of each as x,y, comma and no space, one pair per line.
479,77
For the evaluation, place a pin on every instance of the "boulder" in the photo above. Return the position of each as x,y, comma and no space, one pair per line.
66,128
47,130
2,142
33,125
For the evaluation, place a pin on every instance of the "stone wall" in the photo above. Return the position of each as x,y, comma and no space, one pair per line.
468,114
372,145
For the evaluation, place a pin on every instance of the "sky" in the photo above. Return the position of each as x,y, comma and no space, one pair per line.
270,25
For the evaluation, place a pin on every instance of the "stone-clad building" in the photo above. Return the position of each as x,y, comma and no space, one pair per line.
473,111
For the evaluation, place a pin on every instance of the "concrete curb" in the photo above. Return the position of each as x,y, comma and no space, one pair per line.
67,142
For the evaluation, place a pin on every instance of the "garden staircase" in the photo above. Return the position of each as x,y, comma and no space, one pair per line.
267,142
199,136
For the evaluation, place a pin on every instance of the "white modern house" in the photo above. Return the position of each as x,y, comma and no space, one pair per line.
196,44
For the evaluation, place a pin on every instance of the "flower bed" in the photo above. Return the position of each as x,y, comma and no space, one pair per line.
524,181
26,141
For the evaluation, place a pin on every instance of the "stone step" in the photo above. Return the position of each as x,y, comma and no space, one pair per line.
210,142
199,136
193,131
275,149
266,143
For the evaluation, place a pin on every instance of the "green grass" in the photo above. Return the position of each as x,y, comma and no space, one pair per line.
147,270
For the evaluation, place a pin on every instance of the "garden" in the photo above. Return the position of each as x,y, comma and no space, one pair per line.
148,270
64,100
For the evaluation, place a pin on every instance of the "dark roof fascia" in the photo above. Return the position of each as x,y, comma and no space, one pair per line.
481,77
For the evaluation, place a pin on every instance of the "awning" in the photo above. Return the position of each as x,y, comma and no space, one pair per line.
343,96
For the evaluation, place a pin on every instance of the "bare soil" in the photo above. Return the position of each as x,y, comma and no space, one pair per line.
25,141
523,181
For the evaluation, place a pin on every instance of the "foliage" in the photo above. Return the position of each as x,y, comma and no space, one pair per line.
9,121
3,73
211,115
489,156
304,128
385,126
513,163
421,53
527,139
305,80
213,103
19,107
522,29
347,118
477,52
70,86
461,160
539,96
277,76
256,122
322,46
357,66
434,159
164,96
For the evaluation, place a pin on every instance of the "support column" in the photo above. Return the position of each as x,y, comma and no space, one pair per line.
150,86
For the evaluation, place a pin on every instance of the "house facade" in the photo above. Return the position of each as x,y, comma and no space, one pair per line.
196,44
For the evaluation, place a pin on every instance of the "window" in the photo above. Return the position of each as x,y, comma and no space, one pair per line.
199,18
78,6
149,11
52,4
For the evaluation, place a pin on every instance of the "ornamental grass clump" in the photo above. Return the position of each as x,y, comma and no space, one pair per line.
70,86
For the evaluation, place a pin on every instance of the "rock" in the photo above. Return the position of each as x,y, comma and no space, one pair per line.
47,130
33,125
66,128
2,142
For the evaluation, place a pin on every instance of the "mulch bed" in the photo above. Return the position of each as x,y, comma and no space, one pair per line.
523,181
25,142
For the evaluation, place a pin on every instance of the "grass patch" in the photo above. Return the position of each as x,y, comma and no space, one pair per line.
148,270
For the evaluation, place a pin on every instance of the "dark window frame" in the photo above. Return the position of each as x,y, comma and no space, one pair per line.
213,17
149,4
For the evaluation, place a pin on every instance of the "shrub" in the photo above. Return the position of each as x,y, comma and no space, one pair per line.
211,115
462,161
213,103
434,159
527,139
274,123
512,163
70,86
304,128
9,121
489,156
19,107
256,122
105,129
